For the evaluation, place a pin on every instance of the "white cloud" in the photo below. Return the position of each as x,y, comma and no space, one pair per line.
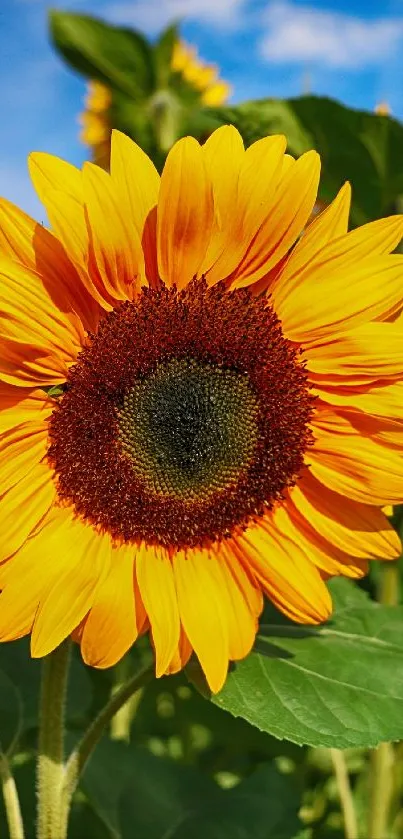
152,15
303,33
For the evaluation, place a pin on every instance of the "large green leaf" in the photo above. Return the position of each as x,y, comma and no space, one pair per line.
364,148
338,685
121,58
24,673
138,794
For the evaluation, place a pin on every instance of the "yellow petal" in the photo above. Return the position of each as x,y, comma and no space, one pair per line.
116,246
69,584
284,220
17,406
201,610
328,225
356,528
26,241
356,466
185,214
338,297
368,352
110,628
282,566
23,507
138,182
20,451
156,583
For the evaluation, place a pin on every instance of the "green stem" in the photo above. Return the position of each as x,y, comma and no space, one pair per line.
345,794
11,800
383,758
50,770
121,722
82,752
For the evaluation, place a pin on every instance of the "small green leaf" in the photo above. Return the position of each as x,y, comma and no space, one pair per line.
120,58
339,685
162,54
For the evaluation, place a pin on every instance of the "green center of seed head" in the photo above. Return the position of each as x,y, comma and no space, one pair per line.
189,428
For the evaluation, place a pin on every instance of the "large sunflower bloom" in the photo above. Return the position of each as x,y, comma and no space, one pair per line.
200,404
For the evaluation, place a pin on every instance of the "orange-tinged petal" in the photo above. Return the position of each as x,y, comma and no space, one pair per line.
284,569
69,585
138,181
26,241
185,214
17,406
370,351
327,225
241,619
358,467
23,507
156,583
358,529
201,610
338,297
330,560
20,451
110,628
284,220
182,654
30,314
383,399
115,244
25,365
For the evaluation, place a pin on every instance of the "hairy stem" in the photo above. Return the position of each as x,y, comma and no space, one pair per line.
50,768
383,758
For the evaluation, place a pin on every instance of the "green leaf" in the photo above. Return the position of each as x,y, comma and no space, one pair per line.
25,673
162,54
141,795
338,685
358,146
118,57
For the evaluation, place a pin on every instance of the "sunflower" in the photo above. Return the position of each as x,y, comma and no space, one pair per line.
201,400
95,121
96,118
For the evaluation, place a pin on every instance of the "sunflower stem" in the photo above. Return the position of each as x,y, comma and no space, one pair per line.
345,793
51,769
382,778
84,748
11,800
121,721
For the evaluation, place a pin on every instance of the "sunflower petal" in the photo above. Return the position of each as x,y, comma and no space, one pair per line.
284,570
110,628
200,606
156,583
185,214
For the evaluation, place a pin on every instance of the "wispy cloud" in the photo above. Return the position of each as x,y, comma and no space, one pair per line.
152,15
297,33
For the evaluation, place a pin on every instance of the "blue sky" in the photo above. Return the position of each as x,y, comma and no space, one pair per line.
348,49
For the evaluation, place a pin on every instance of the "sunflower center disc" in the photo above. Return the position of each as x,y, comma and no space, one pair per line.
189,429
186,416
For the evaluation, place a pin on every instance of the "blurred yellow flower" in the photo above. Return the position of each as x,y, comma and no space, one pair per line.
95,119
204,77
